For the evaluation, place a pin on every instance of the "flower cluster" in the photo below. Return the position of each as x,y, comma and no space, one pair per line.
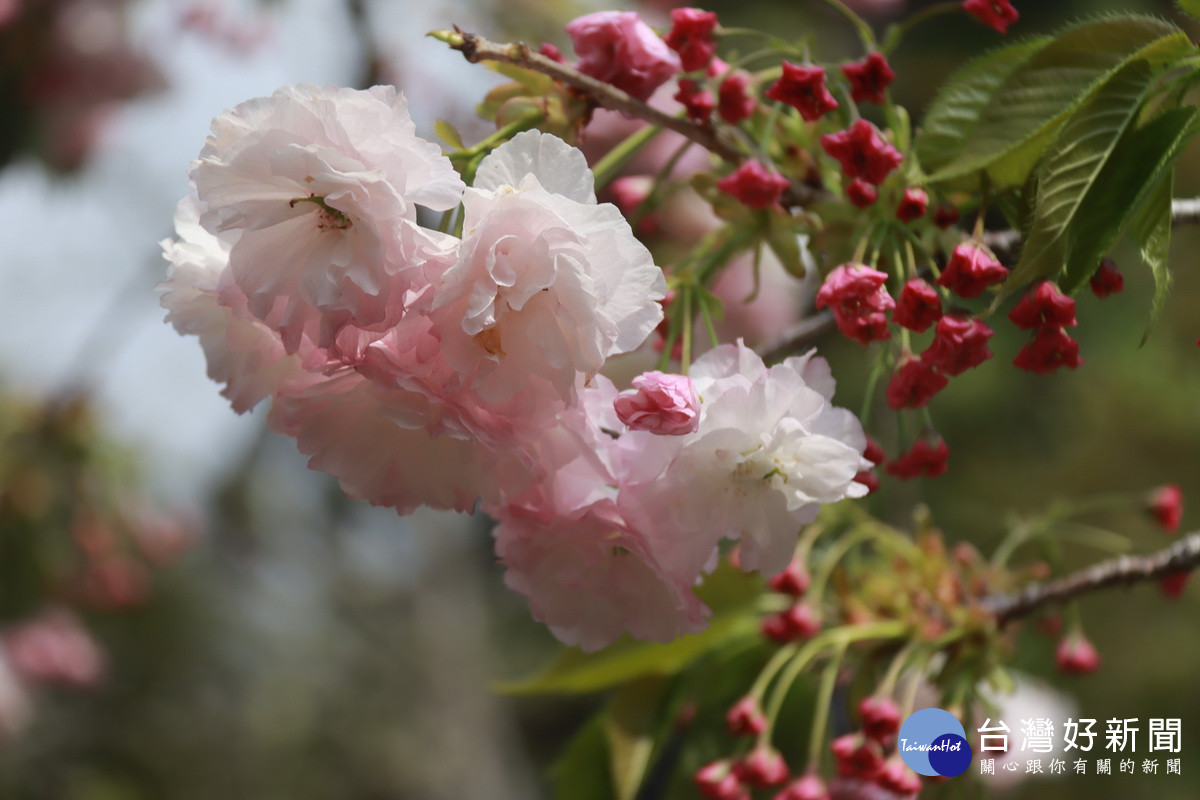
424,368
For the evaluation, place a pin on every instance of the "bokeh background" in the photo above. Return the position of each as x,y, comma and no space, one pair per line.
238,629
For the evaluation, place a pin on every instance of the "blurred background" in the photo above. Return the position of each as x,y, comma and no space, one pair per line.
187,612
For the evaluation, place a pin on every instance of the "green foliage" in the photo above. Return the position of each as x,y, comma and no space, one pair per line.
1151,231
1191,7
1005,126
1070,173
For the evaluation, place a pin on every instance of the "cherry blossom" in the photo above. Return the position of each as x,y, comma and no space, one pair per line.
660,403
869,78
803,88
918,307
862,152
691,36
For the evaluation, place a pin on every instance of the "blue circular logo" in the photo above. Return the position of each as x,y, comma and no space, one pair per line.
933,742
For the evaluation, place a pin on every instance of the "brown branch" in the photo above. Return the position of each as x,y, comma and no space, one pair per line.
476,48
1123,570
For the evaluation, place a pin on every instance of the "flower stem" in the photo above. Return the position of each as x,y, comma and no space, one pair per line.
824,701
607,168
865,34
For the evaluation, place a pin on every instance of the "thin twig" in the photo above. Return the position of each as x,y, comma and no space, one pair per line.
1123,570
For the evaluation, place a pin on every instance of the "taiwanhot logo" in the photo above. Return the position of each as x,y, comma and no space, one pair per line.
933,742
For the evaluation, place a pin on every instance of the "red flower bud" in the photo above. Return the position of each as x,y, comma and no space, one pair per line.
793,580
857,757
880,718
1043,306
1049,349
914,384
810,787
970,270
912,205
803,88
691,36
734,100
861,193
1107,279
698,102
921,459
958,345
996,14
945,216
869,78
762,767
859,301
1173,583
918,307
862,152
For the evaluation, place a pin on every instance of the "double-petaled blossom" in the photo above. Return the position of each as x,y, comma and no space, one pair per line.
803,88
770,450
316,192
754,185
869,78
970,270
617,47
918,307
691,36
996,14
547,284
859,300
862,152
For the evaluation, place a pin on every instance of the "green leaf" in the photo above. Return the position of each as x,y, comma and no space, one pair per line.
630,725
1129,178
1071,168
448,133
582,771
1191,7
1151,231
955,111
1022,117
575,671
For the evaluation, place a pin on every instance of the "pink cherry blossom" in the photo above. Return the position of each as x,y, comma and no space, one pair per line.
323,185
770,449
548,284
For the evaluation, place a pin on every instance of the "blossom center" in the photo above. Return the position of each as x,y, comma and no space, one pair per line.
328,217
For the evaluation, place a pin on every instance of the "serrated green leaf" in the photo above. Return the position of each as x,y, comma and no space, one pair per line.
576,672
1191,7
630,724
1150,229
1130,176
1022,117
1071,168
582,771
448,133
955,111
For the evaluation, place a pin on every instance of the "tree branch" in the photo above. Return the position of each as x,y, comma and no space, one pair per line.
1123,570
476,48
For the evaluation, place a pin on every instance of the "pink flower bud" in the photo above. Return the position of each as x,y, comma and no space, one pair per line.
970,270
1165,504
762,767
859,300
809,787
880,718
912,205
1076,655
717,781
617,47
745,718
898,779
857,757
754,185
660,403
958,345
